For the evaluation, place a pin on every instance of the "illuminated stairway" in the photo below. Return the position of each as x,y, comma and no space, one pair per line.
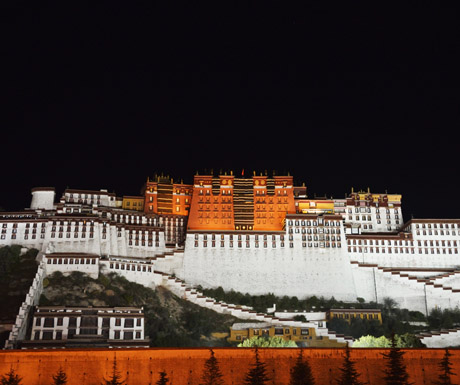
243,204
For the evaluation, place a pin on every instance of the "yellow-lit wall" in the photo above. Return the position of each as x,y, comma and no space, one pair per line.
348,315
289,333
133,203
315,206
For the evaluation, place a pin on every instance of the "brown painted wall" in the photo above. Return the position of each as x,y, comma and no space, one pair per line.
185,366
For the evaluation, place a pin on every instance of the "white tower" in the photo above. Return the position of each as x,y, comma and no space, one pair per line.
43,198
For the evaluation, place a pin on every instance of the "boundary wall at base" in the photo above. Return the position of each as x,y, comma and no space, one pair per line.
185,366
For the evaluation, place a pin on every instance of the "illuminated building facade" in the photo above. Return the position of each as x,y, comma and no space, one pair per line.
304,336
163,196
223,202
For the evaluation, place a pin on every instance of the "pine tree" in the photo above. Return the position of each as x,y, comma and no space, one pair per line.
445,367
163,378
301,372
60,378
395,373
349,375
257,375
212,374
10,378
116,376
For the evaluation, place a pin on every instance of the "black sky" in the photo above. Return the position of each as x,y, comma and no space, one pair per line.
104,95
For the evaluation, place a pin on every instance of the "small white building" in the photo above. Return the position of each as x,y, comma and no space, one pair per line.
62,326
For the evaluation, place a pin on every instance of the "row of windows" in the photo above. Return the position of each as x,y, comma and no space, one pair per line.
435,232
86,196
135,204
149,244
15,225
182,191
57,335
379,221
69,228
216,200
401,250
258,244
63,223
68,235
401,242
71,261
26,236
380,242
42,236
436,225
26,231
319,230
122,266
368,210
358,315
313,223
222,191
239,237
126,335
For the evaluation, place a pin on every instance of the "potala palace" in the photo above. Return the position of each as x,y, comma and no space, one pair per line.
255,234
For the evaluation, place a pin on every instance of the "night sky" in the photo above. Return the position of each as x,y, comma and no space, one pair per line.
104,95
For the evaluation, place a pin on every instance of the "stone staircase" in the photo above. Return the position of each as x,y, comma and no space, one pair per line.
420,281
179,288
440,339
152,277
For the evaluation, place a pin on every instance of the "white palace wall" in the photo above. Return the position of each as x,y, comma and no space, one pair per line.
297,271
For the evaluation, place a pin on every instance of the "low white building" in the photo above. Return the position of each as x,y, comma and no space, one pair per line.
61,326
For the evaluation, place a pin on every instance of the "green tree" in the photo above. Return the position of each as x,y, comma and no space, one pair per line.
257,375
301,372
445,366
349,375
163,380
267,342
407,340
372,342
212,374
10,378
116,376
395,372
60,378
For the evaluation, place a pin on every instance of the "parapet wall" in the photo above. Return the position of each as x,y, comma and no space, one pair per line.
185,366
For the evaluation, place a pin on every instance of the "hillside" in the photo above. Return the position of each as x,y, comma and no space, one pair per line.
16,275
170,320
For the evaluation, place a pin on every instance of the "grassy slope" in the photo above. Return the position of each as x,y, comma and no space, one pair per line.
170,320
16,275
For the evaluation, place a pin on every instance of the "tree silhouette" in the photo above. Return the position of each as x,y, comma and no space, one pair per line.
395,372
349,375
445,366
116,376
257,375
10,378
212,374
163,378
301,372
60,378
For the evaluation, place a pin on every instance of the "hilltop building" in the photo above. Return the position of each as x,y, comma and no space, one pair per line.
254,234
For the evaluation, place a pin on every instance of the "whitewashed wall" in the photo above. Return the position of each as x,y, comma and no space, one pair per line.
298,271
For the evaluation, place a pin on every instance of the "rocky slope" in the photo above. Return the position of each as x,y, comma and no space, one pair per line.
170,320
